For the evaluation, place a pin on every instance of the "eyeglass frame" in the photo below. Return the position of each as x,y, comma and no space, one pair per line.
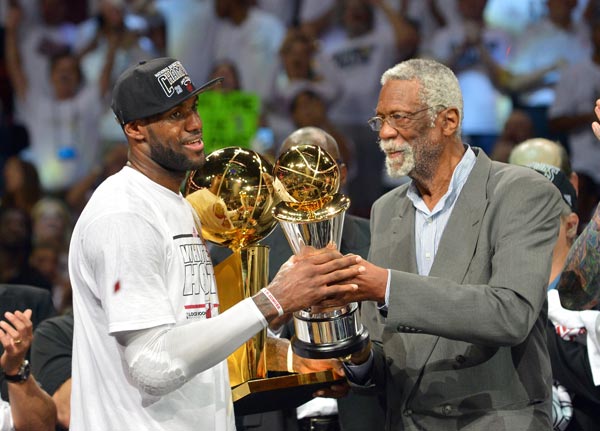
408,116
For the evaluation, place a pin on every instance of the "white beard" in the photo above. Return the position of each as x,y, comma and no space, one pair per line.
398,168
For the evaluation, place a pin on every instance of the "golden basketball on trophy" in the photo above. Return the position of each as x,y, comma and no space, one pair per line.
311,213
232,195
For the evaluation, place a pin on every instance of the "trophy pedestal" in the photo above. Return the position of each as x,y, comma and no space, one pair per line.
339,349
324,333
278,393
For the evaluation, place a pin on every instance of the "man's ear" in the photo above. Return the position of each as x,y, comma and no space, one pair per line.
571,223
450,121
134,130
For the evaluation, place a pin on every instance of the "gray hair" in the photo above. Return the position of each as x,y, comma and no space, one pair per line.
439,85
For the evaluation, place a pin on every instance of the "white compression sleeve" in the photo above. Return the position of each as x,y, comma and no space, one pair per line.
161,359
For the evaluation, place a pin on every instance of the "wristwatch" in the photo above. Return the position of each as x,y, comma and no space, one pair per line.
22,375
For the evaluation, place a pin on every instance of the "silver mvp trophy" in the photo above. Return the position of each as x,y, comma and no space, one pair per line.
311,212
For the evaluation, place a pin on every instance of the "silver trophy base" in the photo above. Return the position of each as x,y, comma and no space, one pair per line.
328,334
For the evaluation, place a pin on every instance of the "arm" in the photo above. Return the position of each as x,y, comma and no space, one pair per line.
31,407
405,33
502,306
160,363
105,76
14,67
62,401
579,285
157,359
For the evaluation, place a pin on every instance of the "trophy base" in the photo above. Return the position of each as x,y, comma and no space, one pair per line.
339,349
278,393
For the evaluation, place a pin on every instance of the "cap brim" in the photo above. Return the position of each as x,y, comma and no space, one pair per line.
209,85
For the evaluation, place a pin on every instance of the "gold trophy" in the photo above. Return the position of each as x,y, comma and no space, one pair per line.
311,213
233,197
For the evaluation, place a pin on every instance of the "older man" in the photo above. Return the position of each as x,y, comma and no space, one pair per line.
459,262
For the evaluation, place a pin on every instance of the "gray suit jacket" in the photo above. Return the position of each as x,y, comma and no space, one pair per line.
465,348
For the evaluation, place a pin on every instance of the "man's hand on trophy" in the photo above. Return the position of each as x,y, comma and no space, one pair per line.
371,282
308,279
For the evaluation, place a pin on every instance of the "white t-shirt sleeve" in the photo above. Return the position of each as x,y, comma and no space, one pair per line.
6,422
162,359
127,258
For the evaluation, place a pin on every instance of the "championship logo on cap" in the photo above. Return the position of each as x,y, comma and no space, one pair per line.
172,77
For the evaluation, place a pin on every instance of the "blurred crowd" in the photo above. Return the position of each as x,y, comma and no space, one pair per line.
527,69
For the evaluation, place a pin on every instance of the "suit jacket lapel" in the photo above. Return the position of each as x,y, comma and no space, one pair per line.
403,236
459,240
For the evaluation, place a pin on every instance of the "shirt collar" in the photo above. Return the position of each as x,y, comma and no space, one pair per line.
458,180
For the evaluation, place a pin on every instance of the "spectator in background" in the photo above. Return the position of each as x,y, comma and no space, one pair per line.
15,249
52,224
463,46
248,37
190,29
551,160
115,157
309,109
63,126
30,409
22,188
43,33
570,114
46,259
542,150
300,67
579,287
110,30
369,37
517,128
553,40
51,354
230,115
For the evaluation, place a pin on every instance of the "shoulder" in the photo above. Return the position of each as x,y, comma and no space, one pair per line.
391,198
517,179
58,325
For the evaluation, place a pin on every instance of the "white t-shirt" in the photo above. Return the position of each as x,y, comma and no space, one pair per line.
63,135
191,26
253,47
483,103
576,94
543,45
358,63
137,261
6,422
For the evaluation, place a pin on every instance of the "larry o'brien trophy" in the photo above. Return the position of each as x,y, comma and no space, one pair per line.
233,197
311,213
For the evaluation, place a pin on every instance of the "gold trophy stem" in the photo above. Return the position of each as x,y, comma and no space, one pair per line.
255,276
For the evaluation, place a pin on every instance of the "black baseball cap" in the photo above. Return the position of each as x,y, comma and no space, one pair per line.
153,87
560,180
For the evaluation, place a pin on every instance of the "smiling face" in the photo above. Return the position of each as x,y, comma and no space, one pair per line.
174,138
413,149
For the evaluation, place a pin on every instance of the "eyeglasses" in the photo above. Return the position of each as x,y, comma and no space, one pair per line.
396,120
